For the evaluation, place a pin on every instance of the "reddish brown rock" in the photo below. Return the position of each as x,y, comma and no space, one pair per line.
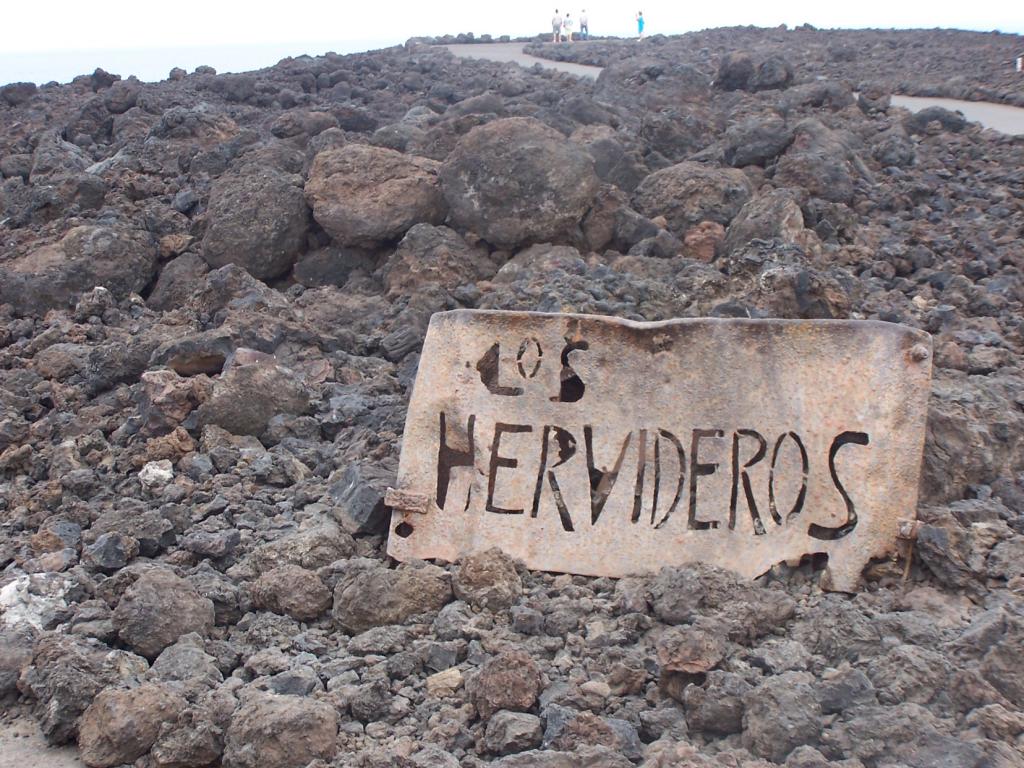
689,193
121,724
293,591
363,195
510,680
270,731
689,650
704,241
488,580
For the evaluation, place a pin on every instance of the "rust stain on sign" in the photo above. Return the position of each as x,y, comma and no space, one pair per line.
606,447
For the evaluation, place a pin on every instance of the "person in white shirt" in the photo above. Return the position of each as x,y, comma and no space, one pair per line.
584,25
556,27
567,27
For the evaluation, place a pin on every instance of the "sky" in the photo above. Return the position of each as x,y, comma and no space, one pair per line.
57,39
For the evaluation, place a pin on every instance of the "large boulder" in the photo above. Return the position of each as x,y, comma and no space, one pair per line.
179,280
678,133
773,73
16,94
257,218
615,160
775,215
158,609
293,591
201,124
270,731
364,196
756,141
640,84
738,72
689,193
917,122
782,714
517,181
821,161
378,596
247,396
121,725
16,641
429,256
64,677
735,71
52,276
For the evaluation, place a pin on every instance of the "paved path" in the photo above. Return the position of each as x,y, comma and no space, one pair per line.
1000,117
514,52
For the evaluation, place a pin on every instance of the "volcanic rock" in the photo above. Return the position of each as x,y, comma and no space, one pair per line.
158,609
689,650
515,181
178,281
123,261
780,715
358,493
765,217
379,596
510,680
247,396
16,94
272,731
689,193
511,732
121,725
649,84
363,196
258,220
65,676
819,161
756,141
488,580
293,591
429,256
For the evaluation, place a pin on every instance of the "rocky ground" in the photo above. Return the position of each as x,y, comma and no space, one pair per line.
976,66
213,290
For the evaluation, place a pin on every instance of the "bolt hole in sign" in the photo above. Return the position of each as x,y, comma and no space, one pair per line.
606,447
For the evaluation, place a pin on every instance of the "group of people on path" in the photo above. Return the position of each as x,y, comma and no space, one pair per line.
561,26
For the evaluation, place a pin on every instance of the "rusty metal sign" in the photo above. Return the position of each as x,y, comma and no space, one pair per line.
606,447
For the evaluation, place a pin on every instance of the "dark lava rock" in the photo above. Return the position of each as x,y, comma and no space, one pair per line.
158,609
689,193
378,596
488,580
123,261
515,181
247,396
258,220
293,591
756,141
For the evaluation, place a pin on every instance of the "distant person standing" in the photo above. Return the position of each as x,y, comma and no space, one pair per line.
567,27
556,27
584,26
640,24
